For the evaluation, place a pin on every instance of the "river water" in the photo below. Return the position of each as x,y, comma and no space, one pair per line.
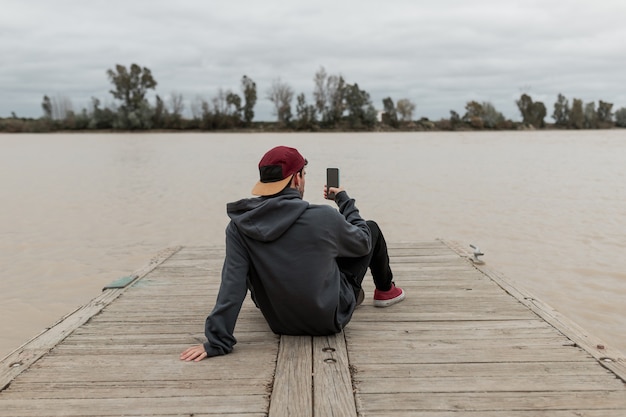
81,210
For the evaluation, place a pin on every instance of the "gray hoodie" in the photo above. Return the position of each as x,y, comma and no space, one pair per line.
285,249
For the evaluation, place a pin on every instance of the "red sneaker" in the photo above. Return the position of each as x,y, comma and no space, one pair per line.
387,298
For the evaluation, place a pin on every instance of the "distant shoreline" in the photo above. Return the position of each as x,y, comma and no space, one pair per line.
13,126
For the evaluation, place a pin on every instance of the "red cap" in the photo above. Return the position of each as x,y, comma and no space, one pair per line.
276,169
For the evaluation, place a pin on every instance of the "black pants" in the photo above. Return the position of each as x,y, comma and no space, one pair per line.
377,260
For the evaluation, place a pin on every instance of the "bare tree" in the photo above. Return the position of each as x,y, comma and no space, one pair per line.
405,108
177,104
61,107
220,104
329,95
197,107
319,92
281,95
491,117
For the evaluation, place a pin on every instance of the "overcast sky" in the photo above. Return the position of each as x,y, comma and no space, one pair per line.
439,54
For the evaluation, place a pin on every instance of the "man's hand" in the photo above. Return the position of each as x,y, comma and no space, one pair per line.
193,353
332,190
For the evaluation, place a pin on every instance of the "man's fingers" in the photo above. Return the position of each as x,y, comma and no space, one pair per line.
194,353
187,352
190,356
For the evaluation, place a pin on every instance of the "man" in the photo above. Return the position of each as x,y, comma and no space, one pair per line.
303,263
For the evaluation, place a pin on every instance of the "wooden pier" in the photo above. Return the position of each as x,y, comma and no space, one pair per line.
465,342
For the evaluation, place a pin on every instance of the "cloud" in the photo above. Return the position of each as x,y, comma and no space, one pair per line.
438,54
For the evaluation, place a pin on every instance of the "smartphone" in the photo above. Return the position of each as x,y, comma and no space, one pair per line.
332,180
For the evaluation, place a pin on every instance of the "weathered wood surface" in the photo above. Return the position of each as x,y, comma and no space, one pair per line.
465,342
124,360
19,360
312,378
461,346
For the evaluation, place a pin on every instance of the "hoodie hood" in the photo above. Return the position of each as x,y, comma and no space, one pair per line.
266,218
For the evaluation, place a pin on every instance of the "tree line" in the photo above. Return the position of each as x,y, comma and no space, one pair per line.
336,105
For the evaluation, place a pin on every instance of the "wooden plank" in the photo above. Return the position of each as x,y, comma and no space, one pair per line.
312,378
471,384
153,366
443,344
332,389
189,328
292,392
443,315
455,354
170,337
509,413
509,327
185,406
137,389
478,369
503,402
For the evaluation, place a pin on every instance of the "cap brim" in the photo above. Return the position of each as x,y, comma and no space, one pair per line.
270,188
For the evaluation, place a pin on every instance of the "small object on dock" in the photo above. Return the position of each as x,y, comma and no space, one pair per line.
120,282
477,253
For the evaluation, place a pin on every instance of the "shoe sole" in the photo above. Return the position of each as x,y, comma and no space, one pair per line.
391,301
